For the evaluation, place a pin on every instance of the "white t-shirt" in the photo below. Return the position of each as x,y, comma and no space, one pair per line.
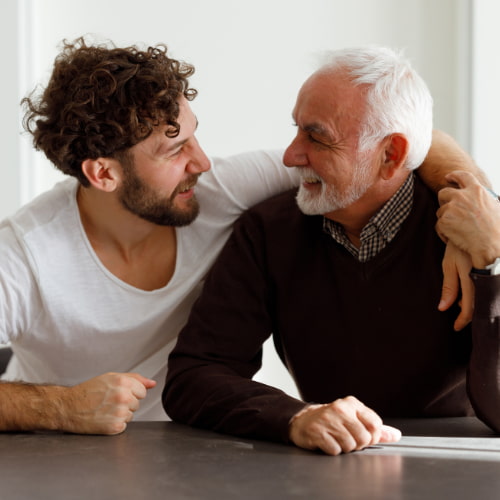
69,319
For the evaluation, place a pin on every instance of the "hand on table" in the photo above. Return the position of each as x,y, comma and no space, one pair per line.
340,427
104,404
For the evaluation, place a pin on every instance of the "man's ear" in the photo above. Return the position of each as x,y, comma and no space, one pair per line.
102,173
395,152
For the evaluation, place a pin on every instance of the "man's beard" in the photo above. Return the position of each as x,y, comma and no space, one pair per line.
330,199
143,201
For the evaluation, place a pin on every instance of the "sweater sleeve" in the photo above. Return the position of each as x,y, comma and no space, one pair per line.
220,349
484,367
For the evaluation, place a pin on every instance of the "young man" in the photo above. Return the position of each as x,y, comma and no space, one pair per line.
98,275
345,274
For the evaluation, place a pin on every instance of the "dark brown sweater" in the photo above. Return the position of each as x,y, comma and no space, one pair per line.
371,330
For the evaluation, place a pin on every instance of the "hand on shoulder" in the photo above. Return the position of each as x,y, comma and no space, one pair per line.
469,217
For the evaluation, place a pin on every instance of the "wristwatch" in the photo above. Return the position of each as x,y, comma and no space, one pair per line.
490,270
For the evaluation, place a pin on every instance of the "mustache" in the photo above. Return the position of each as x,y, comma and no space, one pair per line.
186,184
308,174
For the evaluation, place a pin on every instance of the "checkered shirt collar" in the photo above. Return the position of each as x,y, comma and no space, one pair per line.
381,228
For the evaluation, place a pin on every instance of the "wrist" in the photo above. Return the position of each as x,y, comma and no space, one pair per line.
50,404
31,407
485,253
306,409
491,269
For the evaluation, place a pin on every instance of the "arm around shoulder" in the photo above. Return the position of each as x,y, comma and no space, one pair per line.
444,157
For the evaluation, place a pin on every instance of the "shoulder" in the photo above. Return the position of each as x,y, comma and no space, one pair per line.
424,192
43,209
277,205
279,217
237,182
41,225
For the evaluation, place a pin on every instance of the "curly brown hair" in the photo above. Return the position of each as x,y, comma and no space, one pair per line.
100,101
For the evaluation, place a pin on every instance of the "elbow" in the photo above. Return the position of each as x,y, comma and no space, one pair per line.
485,399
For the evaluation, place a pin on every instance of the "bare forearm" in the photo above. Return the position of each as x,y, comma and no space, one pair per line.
444,157
28,407
101,405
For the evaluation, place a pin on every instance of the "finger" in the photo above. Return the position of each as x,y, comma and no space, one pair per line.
137,388
352,435
130,416
461,178
438,229
329,445
445,195
372,423
450,288
148,383
389,434
356,437
116,429
466,305
133,406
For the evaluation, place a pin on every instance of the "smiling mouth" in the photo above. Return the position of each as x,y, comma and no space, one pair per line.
310,180
309,177
188,186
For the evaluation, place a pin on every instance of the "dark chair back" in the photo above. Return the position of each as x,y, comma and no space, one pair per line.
5,355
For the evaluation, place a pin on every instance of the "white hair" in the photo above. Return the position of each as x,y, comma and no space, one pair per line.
398,99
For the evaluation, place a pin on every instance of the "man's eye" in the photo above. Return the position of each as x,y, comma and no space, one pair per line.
312,139
175,154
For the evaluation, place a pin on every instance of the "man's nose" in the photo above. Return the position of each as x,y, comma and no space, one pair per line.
295,155
199,161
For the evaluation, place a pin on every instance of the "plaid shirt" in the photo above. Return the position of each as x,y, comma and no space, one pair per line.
381,228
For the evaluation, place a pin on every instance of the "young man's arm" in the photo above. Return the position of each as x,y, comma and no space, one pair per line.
101,405
445,157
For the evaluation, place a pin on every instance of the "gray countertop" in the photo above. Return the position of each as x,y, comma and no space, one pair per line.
455,458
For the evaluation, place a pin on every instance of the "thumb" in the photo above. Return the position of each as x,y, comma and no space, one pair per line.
148,383
461,178
389,434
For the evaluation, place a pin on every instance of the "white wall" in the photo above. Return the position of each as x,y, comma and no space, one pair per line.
251,58
10,190
485,81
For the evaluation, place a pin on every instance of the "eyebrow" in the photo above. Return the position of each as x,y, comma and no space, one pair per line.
315,128
175,145
320,130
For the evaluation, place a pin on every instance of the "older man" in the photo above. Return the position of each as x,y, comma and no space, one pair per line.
345,274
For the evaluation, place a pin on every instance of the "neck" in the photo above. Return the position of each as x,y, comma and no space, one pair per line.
108,223
136,251
357,215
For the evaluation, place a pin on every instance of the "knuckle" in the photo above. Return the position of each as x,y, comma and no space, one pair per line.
117,428
349,446
123,398
345,405
315,429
